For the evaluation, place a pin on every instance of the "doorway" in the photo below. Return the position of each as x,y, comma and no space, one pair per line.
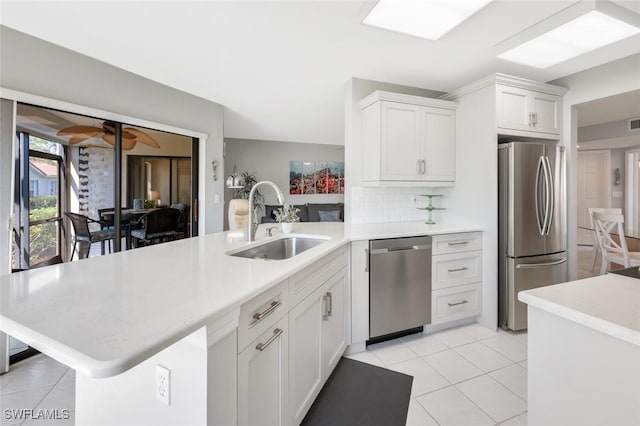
96,170
594,185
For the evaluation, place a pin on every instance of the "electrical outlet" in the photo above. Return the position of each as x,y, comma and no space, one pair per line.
163,384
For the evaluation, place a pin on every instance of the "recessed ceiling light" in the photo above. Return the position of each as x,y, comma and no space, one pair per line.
421,18
583,34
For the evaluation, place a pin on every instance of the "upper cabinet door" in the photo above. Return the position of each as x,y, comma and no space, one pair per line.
400,142
512,109
546,110
438,144
527,110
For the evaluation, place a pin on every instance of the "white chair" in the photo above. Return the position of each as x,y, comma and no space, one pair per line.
596,246
612,250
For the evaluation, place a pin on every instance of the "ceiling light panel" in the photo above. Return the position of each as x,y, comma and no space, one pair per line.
583,34
426,19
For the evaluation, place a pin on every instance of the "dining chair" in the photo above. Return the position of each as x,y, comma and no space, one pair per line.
596,247
83,235
613,251
157,226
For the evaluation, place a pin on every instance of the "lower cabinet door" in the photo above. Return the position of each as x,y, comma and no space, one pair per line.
305,354
335,331
263,378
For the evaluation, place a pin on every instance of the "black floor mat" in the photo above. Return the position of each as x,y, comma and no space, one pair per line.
359,394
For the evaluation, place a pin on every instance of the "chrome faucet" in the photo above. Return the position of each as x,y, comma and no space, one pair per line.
252,227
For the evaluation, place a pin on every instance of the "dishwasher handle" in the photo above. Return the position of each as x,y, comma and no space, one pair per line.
399,249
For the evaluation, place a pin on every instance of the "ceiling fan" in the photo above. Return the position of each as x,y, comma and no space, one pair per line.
130,135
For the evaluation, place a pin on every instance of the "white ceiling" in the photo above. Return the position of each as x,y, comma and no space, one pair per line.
280,68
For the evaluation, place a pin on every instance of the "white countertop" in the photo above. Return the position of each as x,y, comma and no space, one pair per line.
607,303
104,315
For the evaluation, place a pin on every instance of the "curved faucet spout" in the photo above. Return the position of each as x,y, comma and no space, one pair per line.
251,227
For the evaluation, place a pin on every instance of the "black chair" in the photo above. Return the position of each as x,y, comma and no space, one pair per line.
86,237
157,226
183,220
106,220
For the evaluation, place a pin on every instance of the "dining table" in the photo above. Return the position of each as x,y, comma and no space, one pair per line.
128,218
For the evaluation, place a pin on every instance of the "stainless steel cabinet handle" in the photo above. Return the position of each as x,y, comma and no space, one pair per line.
330,310
366,258
325,307
459,243
259,316
462,302
418,168
276,333
423,167
464,268
530,119
535,118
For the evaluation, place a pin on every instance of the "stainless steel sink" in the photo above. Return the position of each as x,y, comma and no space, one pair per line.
283,248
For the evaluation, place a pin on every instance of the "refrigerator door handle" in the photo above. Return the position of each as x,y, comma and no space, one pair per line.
550,195
540,265
541,225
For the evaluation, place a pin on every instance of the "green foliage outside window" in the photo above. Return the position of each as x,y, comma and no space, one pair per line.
43,241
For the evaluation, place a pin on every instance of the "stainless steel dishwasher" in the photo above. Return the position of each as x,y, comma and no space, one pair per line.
399,285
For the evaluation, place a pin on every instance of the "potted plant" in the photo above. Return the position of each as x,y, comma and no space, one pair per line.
286,216
248,180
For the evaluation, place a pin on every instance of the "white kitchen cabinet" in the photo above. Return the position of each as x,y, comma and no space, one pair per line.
455,303
305,354
263,378
334,337
527,110
317,341
359,295
456,276
408,140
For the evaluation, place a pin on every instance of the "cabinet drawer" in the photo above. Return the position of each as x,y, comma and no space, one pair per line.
454,303
454,243
306,281
449,270
261,312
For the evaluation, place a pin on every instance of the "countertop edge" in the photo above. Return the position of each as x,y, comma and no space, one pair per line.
97,368
588,320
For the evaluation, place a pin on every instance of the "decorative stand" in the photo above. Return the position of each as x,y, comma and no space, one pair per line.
430,207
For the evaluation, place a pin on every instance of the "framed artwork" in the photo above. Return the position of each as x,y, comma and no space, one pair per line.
316,177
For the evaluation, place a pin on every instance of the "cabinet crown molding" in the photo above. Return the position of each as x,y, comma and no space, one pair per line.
406,99
505,80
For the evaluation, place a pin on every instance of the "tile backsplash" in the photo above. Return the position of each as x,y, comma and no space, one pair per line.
379,205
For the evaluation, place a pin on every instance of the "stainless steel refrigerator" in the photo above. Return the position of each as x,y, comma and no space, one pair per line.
531,224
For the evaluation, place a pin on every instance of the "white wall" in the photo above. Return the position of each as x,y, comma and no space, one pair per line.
35,67
269,160
599,82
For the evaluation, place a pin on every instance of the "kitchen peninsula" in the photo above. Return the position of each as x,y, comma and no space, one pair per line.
117,319
584,347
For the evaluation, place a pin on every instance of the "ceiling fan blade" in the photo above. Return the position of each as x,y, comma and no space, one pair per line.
127,135
82,130
79,138
110,139
127,144
142,137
